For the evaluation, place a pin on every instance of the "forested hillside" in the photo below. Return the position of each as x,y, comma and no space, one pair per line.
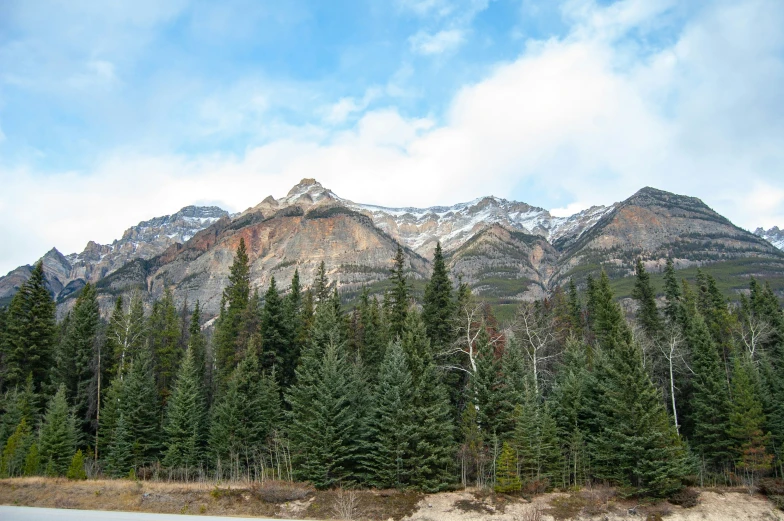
395,393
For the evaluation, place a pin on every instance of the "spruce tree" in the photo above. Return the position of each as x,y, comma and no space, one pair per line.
326,425
747,418
575,309
273,329
229,325
295,335
507,480
438,307
197,344
19,404
390,455
32,462
636,446
164,331
30,333
246,414
76,468
12,459
185,424
120,454
58,436
372,330
321,285
434,436
76,356
644,294
672,294
400,295
609,327
709,401
486,390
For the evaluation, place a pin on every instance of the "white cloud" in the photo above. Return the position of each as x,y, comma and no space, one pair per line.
569,209
570,123
440,42
338,112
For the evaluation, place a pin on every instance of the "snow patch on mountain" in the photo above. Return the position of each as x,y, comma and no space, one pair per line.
775,236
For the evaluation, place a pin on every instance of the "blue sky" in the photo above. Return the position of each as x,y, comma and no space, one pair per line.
115,112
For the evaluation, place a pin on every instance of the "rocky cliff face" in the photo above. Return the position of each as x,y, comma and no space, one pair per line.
67,274
773,236
506,250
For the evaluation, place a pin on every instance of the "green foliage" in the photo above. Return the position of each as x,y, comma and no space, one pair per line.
164,340
126,332
327,418
506,479
246,414
274,330
30,333
76,469
120,454
643,293
392,424
186,416
32,464
75,356
58,435
438,307
400,295
709,403
12,461
230,323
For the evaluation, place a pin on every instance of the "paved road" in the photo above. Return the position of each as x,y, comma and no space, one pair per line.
58,514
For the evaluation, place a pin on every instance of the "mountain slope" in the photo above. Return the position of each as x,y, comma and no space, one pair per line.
773,236
505,250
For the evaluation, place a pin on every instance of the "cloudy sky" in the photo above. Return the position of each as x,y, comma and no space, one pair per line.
115,112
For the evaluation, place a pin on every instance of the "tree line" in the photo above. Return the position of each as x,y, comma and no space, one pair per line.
430,395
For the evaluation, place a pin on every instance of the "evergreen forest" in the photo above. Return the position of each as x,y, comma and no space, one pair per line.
648,395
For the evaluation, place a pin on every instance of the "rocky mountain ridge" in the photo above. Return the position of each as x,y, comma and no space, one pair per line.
67,274
773,236
506,250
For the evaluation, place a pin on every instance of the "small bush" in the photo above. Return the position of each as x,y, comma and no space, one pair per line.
772,486
281,491
76,470
687,498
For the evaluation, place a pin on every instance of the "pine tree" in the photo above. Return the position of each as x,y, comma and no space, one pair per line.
76,356
246,414
12,461
120,454
325,423
438,307
400,295
295,335
18,405
164,331
76,468
637,445
434,435
30,333
372,331
575,309
672,294
58,435
747,418
321,285
185,424
392,425
230,321
709,401
273,329
507,480
197,344
487,391
32,462
644,294
609,327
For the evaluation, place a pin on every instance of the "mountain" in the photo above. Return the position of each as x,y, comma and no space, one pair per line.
506,251
66,274
773,236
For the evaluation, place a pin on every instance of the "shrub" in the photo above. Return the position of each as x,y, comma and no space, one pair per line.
281,491
687,498
76,469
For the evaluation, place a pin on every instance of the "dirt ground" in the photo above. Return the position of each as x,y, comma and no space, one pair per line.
295,501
